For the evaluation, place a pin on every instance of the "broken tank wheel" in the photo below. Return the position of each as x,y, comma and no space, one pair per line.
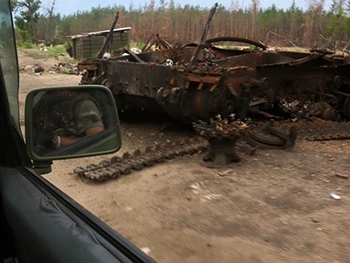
346,108
260,134
270,137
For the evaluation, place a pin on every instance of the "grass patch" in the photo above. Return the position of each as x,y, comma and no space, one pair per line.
57,52
26,45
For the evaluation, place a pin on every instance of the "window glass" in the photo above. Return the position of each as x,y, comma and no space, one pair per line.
8,59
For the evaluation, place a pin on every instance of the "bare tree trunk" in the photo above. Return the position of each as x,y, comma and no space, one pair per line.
50,21
254,10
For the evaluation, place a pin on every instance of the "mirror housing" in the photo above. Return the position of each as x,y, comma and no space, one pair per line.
71,122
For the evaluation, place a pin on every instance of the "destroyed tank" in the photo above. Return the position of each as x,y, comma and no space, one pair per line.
200,81
227,93
260,82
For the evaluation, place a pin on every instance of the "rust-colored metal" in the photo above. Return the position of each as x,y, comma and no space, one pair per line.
200,81
222,136
194,58
109,37
117,166
156,42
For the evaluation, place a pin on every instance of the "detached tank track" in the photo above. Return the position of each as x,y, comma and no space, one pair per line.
117,166
318,130
283,134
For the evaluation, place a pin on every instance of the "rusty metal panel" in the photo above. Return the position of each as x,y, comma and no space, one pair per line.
138,79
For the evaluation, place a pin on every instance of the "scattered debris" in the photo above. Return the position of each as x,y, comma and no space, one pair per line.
344,176
334,196
28,67
210,197
315,220
61,67
195,188
38,69
225,173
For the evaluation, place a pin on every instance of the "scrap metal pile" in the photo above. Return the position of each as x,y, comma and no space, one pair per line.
196,82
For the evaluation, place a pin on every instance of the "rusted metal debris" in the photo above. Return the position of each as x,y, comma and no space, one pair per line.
259,84
194,58
280,135
129,162
268,136
222,136
108,38
199,81
302,92
157,43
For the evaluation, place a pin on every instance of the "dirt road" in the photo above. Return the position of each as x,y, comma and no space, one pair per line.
274,206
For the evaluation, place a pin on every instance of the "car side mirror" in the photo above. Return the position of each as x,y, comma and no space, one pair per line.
71,122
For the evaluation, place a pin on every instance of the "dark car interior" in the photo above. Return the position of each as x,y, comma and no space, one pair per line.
39,223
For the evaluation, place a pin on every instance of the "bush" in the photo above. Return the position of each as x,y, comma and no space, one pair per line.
57,50
26,45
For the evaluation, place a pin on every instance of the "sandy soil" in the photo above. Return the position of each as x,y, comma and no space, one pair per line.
274,206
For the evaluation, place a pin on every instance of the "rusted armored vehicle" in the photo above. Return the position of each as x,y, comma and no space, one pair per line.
222,88
200,81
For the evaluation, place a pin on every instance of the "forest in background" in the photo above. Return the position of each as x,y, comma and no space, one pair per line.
314,27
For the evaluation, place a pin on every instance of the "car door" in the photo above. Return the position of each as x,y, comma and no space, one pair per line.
39,223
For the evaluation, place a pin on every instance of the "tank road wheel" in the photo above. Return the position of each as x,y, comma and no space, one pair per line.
260,134
269,137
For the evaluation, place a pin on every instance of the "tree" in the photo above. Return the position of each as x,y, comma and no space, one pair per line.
314,24
338,27
29,11
276,27
254,9
50,17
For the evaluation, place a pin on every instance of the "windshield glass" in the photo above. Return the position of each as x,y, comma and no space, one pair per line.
8,58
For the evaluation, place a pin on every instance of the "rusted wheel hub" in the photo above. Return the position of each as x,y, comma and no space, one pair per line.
222,136
222,150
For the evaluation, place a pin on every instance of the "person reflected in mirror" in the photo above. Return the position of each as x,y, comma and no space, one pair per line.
63,117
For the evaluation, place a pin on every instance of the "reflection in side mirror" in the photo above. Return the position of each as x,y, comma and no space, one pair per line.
71,122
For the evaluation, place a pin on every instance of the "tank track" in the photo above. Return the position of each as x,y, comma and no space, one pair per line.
117,166
312,130
318,130
283,134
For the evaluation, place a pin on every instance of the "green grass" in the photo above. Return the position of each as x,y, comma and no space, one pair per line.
52,52
24,45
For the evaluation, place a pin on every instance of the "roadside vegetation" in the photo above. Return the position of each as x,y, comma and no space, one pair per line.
42,52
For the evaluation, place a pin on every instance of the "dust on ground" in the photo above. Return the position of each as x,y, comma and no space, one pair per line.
273,206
